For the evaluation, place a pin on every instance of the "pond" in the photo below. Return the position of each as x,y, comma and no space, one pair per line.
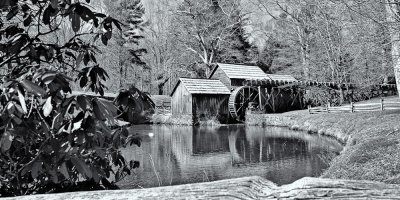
172,155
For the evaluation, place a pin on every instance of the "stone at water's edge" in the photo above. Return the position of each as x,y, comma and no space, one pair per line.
244,188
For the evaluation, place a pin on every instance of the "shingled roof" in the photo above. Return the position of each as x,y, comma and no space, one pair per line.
159,100
202,86
241,71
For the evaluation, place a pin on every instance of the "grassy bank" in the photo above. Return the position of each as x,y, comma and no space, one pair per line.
372,141
185,120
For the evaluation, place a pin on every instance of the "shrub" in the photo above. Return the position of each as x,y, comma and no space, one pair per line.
51,140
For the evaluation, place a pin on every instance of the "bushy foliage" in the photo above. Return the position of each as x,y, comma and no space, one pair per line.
51,140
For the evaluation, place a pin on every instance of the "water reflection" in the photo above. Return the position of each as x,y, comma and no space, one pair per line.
180,154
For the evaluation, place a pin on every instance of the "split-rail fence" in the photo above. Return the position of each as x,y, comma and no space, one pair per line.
357,107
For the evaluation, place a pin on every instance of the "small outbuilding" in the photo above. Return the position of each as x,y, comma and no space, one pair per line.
200,98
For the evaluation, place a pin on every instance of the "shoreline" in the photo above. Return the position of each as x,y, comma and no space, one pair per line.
371,141
371,153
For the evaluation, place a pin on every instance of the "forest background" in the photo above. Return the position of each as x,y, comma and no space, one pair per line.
327,40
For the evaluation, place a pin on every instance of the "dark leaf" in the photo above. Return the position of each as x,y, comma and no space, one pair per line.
117,24
26,169
28,20
33,88
107,184
76,22
83,81
54,4
79,117
13,12
86,14
96,177
13,30
36,168
86,58
101,152
70,54
53,176
82,167
17,120
101,91
117,176
101,15
82,102
125,132
134,164
108,35
6,141
98,110
93,58
104,39
64,171
49,53
25,8
133,139
48,12
126,170
79,59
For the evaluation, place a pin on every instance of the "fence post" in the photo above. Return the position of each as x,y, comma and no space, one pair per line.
352,107
309,109
329,106
382,104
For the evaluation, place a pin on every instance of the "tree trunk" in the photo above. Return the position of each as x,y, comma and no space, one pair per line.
386,52
305,54
305,62
161,89
391,11
341,96
121,71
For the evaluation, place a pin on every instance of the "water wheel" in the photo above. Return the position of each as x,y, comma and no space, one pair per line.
240,100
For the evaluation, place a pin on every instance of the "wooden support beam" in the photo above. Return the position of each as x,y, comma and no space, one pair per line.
260,98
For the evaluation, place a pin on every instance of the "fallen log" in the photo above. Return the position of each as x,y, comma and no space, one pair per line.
243,188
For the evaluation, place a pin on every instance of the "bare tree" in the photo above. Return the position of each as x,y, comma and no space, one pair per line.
204,25
392,9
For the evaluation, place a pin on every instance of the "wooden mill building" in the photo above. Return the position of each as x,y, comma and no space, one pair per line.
201,98
234,76
225,93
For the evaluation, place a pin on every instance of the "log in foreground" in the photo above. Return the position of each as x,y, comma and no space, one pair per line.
244,188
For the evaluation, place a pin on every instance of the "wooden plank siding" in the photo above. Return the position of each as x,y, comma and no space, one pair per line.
181,101
220,74
207,106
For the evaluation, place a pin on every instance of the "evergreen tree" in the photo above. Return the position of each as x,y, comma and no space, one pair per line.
236,48
130,13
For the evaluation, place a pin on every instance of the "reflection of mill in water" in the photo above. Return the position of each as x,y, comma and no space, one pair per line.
188,154
247,151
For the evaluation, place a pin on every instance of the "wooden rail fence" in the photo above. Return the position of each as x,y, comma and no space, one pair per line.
357,107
